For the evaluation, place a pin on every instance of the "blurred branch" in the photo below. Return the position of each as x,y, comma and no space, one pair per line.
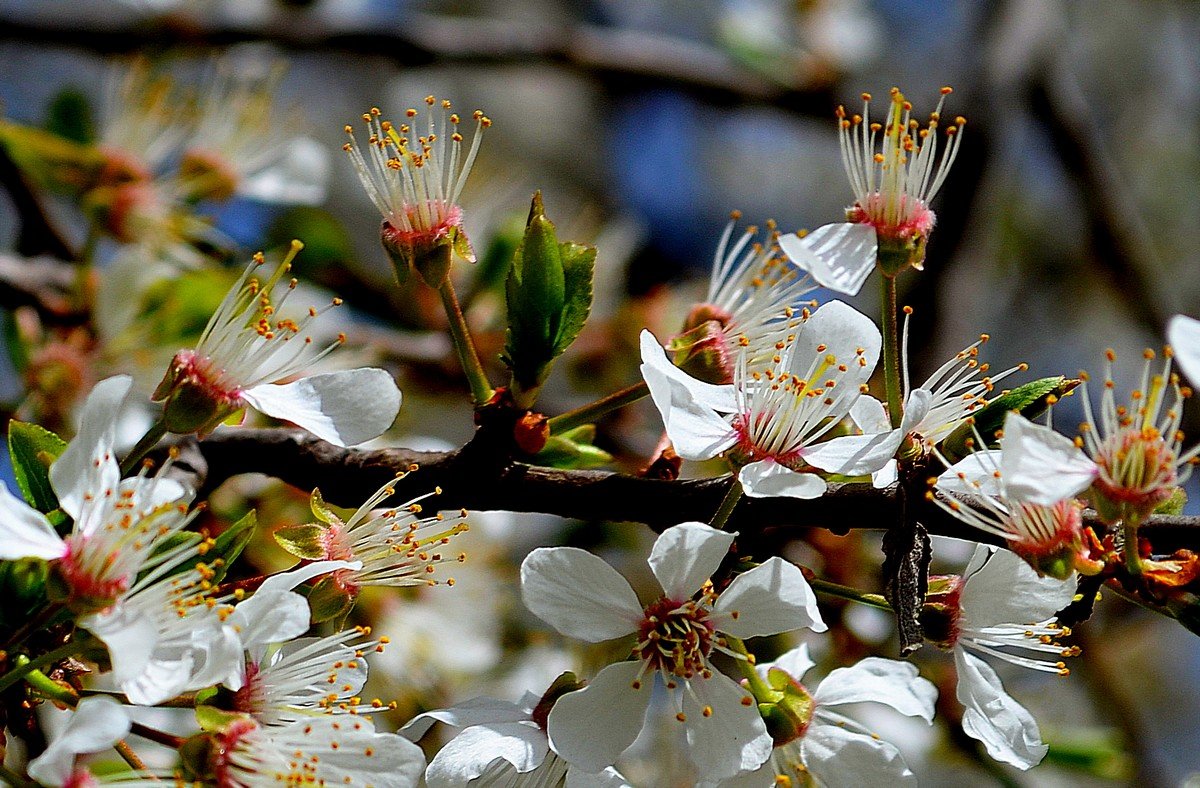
44,283
36,234
613,55
473,478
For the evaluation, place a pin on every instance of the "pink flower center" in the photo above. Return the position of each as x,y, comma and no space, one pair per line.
1137,467
81,778
912,219
251,698
225,743
93,584
430,223
339,547
675,638
197,372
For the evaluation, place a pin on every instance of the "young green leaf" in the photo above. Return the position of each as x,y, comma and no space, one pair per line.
303,541
32,450
1030,400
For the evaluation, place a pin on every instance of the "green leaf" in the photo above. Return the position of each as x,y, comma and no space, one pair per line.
303,541
327,600
32,450
70,116
321,510
1030,400
227,547
579,264
1173,505
562,452
327,244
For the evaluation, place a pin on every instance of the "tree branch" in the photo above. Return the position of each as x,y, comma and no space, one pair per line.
470,480
44,283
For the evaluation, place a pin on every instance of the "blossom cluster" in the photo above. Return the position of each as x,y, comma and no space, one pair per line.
139,602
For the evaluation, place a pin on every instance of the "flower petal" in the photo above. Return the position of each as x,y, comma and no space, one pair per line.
869,415
1037,465
768,479
609,778
839,256
732,738
876,680
476,711
96,724
1005,590
795,663
839,330
592,727
130,636
1184,335
298,177
469,754
973,475
841,758
344,408
720,398
854,455
578,594
350,752
772,597
25,532
686,555
990,715
88,465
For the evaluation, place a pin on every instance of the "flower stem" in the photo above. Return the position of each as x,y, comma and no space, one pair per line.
594,410
45,660
50,689
891,351
852,594
143,447
155,735
481,389
126,752
1133,558
728,503
759,688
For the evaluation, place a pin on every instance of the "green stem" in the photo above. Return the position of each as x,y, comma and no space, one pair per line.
153,435
1133,558
594,410
50,689
12,778
481,389
851,594
45,660
891,351
759,688
728,503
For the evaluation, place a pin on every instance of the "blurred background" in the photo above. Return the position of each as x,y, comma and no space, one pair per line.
1070,223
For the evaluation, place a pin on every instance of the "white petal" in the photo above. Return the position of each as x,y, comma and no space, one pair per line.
394,762
592,727
1005,727
219,656
88,464
841,330
468,754
795,663
733,737
1184,335
1007,591
298,177
1038,465
869,415
839,256
874,679
840,758
973,475
885,476
609,778
768,479
25,532
476,711
697,431
97,724
578,594
854,455
772,597
129,634
344,408
720,398
686,555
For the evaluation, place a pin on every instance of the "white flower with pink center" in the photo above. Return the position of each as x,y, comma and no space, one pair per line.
118,525
675,635
1138,446
818,743
895,171
248,345
1025,493
772,418
999,607
96,724
415,173
323,750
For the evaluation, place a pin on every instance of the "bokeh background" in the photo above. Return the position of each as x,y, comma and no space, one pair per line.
1070,223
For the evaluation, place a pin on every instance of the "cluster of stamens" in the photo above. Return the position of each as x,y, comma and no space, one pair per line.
894,184
675,638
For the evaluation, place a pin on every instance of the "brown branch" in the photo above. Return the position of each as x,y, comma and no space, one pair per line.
472,479
36,232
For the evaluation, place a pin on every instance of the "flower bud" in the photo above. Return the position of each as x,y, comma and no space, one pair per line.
191,403
788,713
703,351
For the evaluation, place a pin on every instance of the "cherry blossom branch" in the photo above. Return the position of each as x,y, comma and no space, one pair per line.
473,477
